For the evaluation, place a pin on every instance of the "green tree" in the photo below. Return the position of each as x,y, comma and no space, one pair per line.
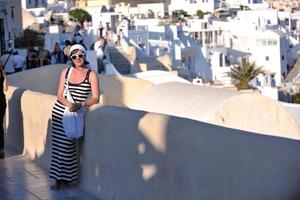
151,14
243,75
80,15
30,38
200,14
297,98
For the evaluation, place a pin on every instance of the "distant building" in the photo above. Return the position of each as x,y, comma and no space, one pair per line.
26,4
191,6
84,3
10,23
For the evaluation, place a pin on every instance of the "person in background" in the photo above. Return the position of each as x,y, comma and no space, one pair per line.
44,57
84,88
99,47
85,25
57,56
119,37
18,61
8,65
3,88
66,50
101,28
32,59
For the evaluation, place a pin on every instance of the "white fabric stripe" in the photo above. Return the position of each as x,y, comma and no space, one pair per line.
63,176
58,159
69,168
61,138
64,155
63,150
66,172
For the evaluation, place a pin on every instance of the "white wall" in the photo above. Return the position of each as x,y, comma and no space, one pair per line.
129,154
191,8
259,17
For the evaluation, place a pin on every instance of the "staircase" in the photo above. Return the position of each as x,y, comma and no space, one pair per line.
120,59
295,71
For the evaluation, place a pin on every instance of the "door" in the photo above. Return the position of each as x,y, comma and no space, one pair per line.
2,37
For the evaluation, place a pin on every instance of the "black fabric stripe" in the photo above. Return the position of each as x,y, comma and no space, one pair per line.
71,160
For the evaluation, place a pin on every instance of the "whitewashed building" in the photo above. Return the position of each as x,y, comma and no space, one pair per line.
26,4
257,33
191,6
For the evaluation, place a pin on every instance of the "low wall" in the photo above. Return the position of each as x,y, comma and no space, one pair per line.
115,90
129,154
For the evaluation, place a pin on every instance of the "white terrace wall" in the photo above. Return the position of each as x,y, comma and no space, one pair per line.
115,90
129,154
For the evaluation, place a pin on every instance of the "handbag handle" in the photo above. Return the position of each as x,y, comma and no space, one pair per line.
67,91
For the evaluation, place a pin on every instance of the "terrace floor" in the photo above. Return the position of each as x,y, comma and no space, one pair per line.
21,179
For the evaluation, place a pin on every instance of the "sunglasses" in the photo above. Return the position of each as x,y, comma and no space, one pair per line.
79,56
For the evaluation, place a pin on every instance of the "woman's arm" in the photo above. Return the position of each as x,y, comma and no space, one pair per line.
94,80
61,88
5,82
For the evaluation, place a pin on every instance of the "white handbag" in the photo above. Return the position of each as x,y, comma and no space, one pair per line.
73,122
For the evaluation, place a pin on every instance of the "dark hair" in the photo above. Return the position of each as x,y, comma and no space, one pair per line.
68,42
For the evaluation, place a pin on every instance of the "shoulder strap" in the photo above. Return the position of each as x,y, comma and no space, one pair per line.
67,91
6,61
67,76
88,75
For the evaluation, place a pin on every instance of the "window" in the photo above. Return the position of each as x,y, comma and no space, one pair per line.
267,58
221,60
270,42
282,57
12,14
227,61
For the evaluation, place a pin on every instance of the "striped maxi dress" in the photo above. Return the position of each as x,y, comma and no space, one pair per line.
64,150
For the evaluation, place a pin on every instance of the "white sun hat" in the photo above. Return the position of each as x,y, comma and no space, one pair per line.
79,47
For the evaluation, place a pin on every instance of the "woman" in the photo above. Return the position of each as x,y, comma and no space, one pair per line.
3,87
82,82
57,55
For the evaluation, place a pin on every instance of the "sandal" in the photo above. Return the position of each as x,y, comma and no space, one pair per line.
2,154
64,184
56,185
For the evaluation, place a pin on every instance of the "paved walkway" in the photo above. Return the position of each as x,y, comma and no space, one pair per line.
21,179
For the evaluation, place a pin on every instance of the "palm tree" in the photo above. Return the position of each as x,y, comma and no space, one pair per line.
243,75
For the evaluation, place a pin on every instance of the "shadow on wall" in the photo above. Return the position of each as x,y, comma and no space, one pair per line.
116,163
14,120
44,158
213,162
137,155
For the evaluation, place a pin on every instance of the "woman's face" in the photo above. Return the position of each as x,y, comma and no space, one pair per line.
78,58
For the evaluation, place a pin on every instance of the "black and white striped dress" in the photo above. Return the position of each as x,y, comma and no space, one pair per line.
64,150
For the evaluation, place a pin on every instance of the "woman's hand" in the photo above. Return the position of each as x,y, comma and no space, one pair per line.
75,107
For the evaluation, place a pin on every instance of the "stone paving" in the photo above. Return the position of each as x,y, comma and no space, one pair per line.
21,179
